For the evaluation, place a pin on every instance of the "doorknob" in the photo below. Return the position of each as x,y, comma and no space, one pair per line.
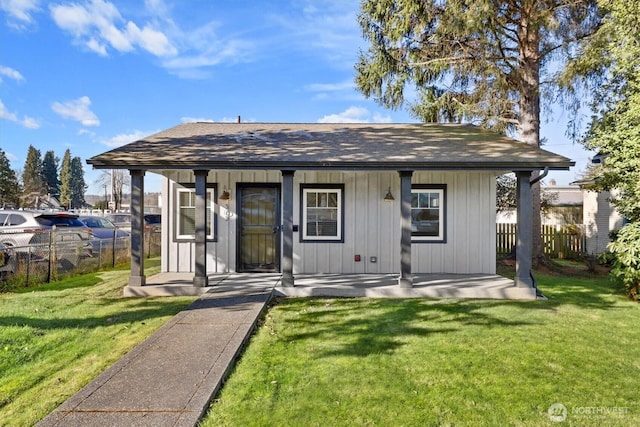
276,229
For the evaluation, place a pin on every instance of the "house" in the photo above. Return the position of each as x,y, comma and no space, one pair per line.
329,198
565,206
600,217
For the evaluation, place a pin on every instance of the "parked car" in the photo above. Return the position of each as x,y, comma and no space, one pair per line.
120,220
7,261
104,232
152,222
29,234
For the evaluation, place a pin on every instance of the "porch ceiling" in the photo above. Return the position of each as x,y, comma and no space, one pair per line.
297,146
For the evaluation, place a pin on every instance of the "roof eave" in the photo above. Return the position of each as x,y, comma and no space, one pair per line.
335,165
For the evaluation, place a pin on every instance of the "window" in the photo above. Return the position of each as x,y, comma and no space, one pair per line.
186,213
428,205
322,213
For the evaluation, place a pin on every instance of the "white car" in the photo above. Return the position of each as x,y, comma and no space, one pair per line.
29,234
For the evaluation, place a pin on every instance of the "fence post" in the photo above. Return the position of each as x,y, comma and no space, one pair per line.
49,266
113,247
28,265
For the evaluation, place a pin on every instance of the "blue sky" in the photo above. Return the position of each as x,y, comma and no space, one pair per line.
93,75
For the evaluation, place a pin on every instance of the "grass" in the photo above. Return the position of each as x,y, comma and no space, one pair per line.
56,338
350,361
441,362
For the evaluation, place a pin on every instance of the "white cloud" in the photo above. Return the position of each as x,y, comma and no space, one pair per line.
195,120
78,110
150,40
203,49
355,115
124,138
19,11
11,73
100,26
330,87
330,31
26,121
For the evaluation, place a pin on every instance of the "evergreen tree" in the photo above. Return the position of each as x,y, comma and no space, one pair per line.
482,61
65,180
50,173
9,186
78,185
32,181
615,128
613,54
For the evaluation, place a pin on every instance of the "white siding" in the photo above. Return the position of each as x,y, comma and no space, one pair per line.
371,225
599,218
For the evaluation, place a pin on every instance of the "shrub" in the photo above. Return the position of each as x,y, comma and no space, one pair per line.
626,265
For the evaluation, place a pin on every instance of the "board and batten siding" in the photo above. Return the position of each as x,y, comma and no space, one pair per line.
371,225
600,217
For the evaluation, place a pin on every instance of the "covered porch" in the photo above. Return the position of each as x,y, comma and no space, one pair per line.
446,167
479,286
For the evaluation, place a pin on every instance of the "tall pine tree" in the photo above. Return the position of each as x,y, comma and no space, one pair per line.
9,186
66,185
482,61
50,173
613,55
32,180
78,185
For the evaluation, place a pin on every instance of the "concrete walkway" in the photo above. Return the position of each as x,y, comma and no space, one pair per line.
170,378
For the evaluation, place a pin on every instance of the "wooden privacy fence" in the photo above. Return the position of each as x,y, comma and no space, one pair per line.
566,241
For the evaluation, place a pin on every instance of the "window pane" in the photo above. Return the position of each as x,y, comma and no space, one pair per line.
434,200
187,222
185,198
322,200
426,222
414,200
424,200
333,200
311,199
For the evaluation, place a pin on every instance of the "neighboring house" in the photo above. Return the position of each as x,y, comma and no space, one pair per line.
566,206
328,198
600,217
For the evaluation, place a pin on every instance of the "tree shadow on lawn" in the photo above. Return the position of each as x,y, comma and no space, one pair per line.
138,311
392,323
361,327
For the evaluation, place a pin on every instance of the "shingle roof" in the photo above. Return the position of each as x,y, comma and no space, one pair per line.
328,146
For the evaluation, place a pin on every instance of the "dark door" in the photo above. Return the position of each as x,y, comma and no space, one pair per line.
259,228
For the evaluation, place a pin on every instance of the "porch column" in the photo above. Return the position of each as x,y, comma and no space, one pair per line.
524,243
406,279
287,228
200,278
137,277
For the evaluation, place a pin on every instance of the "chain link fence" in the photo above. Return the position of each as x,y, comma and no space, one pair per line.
27,259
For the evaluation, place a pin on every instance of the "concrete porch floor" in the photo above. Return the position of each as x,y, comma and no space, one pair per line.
486,286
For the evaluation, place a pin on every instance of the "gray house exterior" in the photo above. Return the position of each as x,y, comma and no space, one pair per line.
329,198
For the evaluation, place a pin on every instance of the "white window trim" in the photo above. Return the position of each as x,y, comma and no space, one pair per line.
316,189
178,210
441,191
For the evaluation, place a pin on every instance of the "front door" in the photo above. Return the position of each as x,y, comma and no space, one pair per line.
259,228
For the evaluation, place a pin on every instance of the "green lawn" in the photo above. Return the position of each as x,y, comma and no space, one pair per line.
418,362
350,361
56,338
